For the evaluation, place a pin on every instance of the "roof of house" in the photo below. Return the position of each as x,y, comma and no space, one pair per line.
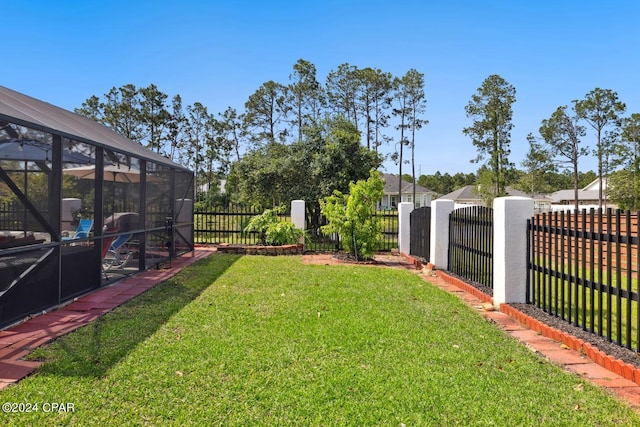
595,184
391,185
468,193
24,110
590,193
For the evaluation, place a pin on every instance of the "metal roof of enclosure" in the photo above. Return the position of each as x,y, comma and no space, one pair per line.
17,107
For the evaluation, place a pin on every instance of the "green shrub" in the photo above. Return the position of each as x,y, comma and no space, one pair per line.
273,230
352,216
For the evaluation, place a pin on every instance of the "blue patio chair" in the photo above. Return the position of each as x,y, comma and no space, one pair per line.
117,254
82,231
116,250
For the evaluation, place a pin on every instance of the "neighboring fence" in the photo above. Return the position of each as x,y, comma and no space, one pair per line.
12,216
471,244
584,269
420,223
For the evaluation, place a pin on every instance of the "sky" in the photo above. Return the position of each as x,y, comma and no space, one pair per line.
219,52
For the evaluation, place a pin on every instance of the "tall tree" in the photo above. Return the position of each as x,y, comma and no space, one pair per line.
417,105
235,127
342,92
198,132
177,128
562,133
402,112
490,109
381,89
306,96
92,108
266,110
154,117
600,108
537,163
122,112
625,187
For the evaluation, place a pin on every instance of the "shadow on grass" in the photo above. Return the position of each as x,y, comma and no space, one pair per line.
94,349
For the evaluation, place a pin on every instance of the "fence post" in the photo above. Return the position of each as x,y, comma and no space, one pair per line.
404,227
439,238
510,248
298,217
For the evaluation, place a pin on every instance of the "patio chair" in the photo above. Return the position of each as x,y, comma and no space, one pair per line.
115,249
82,231
117,253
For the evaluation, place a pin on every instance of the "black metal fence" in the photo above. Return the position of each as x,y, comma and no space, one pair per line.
389,238
471,244
420,225
226,225
583,268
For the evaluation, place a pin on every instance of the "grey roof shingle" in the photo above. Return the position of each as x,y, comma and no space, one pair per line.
391,185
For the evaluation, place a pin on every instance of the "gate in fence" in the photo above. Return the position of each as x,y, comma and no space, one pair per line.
583,268
471,244
420,224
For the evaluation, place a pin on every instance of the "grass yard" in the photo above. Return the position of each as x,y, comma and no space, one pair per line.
270,341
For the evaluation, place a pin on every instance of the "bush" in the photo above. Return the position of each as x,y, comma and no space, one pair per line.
352,216
274,231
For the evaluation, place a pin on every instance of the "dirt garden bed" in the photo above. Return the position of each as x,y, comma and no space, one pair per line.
261,249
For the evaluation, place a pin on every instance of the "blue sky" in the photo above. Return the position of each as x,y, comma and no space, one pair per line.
219,52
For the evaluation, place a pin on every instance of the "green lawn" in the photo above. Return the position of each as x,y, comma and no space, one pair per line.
270,341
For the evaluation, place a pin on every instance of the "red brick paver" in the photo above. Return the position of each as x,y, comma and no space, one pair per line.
18,341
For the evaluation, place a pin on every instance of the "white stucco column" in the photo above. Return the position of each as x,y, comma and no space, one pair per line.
510,216
404,227
439,238
298,217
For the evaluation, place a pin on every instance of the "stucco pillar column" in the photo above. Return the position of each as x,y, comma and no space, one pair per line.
510,216
298,217
404,227
439,238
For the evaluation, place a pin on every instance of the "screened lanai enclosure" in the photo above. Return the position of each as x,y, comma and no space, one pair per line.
80,207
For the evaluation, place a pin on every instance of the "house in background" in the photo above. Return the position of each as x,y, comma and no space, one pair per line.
467,196
390,198
587,197
220,186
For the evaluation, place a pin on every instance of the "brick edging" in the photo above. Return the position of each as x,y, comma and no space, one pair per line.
620,367
465,287
419,264
450,279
